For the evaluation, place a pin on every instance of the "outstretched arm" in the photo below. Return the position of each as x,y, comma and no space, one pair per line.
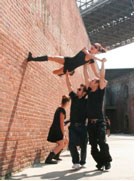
103,82
86,75
68,82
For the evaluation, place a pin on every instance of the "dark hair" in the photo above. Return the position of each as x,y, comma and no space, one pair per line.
84,87
65,99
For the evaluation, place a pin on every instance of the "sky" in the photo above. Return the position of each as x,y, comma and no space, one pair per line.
122,57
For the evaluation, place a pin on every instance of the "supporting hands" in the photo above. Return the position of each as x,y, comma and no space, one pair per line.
101,60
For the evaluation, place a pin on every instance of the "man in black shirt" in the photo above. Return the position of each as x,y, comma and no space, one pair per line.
77,128
96,124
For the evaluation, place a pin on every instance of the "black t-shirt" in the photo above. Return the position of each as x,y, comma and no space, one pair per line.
95,103
78,108
56,119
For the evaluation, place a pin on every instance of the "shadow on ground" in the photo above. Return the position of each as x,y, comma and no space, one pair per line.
62,175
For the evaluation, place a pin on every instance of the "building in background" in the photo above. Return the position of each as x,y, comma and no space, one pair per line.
119,100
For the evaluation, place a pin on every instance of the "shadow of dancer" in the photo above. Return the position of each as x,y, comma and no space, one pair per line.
5,145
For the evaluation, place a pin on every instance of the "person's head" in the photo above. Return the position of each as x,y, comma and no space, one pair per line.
65,100
97,48
94,84
81,91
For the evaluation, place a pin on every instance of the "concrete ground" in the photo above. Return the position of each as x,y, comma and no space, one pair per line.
121,149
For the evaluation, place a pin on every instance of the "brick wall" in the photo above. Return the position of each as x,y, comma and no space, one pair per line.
29,92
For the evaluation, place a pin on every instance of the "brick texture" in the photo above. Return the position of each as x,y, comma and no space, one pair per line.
29,92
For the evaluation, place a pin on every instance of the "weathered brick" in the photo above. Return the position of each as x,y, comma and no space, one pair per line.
30,92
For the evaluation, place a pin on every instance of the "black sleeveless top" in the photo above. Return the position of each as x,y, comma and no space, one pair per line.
55,133
73,62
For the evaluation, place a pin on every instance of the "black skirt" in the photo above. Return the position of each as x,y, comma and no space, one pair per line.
72,63
54,135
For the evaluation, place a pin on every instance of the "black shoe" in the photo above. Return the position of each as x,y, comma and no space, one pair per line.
37,59
100,166
30,58
50,157
50,162
107,166
58,159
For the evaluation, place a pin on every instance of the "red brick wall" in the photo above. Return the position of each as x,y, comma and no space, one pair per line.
29,92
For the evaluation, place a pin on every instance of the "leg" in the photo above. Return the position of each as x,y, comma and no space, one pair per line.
72,146
59,147
58,71
83,153
74,153
92,132
57,59
104,147
58,154
49,158
83,145
31,58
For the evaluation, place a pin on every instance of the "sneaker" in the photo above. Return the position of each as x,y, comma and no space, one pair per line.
76,166
82,165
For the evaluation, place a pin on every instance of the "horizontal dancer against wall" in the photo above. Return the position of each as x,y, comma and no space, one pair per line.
71,63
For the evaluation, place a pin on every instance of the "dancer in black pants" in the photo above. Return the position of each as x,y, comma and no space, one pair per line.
71,63
96,122
56,132
77,128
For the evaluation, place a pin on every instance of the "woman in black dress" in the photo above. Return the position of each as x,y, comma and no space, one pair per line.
56,132
71,63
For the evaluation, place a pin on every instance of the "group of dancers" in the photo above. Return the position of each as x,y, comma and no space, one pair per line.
87,120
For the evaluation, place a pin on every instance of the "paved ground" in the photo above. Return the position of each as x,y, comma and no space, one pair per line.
122,151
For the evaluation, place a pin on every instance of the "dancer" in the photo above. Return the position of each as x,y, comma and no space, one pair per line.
96,123
71,63
56,132
77,128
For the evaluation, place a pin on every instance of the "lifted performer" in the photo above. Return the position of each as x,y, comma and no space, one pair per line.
71,63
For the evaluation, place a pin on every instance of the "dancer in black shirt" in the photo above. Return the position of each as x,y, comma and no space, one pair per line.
77,128
96,122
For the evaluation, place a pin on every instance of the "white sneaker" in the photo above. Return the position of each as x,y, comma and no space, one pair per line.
76,166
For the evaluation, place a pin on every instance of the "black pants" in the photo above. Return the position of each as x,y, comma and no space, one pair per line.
78,137
97,140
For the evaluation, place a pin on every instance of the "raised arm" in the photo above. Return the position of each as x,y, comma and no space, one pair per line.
103,82
86,75
68,82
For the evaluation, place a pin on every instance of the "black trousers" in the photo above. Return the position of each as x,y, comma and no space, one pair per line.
97,140
78,137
